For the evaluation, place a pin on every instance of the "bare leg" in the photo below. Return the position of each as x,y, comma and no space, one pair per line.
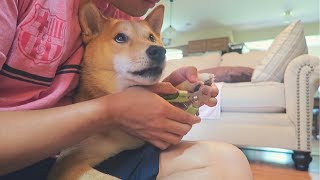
204,160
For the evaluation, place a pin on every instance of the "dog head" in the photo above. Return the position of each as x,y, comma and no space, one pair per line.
121,53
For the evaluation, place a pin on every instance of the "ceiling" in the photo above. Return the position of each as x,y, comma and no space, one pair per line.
192,15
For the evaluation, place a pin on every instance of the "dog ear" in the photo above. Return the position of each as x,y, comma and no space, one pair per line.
155,19
91,21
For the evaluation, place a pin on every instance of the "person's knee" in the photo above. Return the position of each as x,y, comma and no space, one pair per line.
224,156
216,159
221,150
226,149
213,147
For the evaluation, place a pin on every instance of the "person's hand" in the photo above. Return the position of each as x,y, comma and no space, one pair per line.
144,114
190,74
182,74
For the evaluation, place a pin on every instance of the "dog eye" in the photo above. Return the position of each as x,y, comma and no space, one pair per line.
152,38
121,38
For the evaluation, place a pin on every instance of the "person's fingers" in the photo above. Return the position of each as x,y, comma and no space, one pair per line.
168,137
211,91
184,117
177,128
167,133
163,88
211,102
190,87
189,73
160,144
214,91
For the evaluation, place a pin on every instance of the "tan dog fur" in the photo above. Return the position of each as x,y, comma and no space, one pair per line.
106,64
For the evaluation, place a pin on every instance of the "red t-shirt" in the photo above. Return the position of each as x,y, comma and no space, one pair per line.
40,51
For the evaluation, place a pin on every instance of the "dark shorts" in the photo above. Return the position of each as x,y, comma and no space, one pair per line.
137,164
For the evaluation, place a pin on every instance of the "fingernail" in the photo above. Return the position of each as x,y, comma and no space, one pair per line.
197,119
194,78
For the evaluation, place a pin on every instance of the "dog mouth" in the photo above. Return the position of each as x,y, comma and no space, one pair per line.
149,72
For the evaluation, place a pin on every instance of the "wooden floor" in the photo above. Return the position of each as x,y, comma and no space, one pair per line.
274,164
268,172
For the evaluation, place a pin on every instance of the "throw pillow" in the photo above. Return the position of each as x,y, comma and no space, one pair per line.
289,44
230,74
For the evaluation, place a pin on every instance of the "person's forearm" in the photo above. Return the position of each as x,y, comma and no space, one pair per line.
29,136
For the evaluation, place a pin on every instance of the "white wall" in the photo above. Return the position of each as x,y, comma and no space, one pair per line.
239,36
183,38
313,43
271,33
315,51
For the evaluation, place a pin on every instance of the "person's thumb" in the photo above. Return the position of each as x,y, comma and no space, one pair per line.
191,74
163,88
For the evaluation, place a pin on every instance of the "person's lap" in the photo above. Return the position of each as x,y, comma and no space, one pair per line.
203,160
37,171
137,164
187,160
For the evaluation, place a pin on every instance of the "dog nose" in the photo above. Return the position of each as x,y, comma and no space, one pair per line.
156,53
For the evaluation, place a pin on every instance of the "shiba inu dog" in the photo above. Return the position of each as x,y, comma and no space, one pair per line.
118,54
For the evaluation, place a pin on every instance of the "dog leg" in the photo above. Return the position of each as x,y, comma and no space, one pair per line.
96,175
80,172
77,162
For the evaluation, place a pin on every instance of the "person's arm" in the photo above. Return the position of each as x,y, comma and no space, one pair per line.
29,136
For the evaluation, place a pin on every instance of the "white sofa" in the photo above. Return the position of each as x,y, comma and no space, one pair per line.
263,113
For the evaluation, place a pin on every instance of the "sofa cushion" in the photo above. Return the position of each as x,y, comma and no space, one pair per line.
230,73
200,62
253,97
250,59
289,44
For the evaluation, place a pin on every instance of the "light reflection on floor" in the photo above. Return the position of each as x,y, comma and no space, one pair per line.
278,158
281,157
269,155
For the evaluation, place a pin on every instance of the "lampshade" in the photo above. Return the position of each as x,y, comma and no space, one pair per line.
170,32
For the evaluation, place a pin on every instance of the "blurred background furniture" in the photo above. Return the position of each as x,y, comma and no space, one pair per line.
273,108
